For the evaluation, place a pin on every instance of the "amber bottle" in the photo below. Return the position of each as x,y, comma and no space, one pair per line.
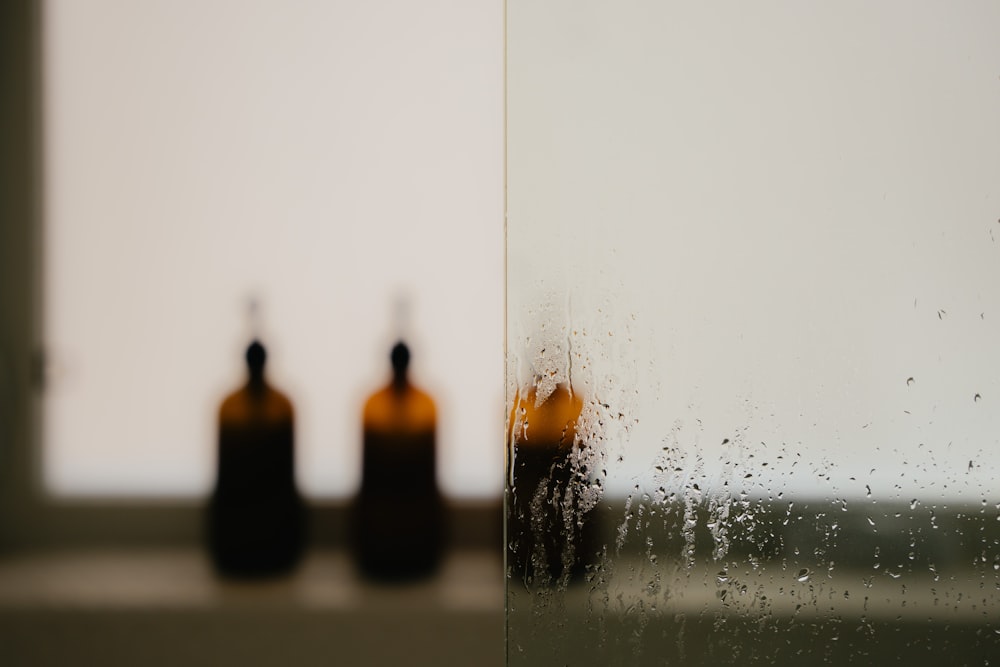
399,512
256,514
548,535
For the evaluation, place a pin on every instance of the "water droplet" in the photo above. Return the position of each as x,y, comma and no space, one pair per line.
803,575
914,503
871,522
722,577
976,398
909,381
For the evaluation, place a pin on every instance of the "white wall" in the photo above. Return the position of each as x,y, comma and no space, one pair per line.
324,156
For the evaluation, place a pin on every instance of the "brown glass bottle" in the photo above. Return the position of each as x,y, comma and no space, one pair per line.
548,536
256,514
399,512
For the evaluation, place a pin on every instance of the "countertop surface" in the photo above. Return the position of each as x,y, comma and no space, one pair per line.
182,578
167,607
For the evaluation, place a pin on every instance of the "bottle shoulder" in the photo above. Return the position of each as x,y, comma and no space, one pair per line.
255,402
551,421
392,408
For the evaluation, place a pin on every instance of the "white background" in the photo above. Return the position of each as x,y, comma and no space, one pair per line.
323,156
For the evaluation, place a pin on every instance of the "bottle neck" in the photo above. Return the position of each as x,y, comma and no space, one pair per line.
400,383
256,383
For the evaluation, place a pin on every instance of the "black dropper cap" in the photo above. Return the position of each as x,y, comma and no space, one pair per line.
400,357
256,356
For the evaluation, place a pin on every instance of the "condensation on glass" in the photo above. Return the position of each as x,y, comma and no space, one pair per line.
753,333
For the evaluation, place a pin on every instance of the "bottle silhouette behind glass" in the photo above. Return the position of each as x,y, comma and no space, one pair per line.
549,540
256,515
399,512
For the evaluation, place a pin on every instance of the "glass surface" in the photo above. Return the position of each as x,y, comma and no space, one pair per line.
753,305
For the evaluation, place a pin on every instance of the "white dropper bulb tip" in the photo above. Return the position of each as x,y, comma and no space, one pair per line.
253,317
402,307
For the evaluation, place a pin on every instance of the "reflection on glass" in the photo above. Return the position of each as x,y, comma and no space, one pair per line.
547,523
761,245
399,512
255,516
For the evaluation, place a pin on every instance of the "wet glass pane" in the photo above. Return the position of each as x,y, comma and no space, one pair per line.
753,333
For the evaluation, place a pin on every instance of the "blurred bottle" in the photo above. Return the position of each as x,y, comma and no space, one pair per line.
549,539
256,514
399,512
